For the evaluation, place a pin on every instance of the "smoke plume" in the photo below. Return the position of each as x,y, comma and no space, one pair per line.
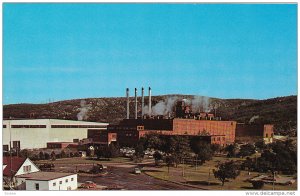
200,104
162,107
82,115
252,119
165,107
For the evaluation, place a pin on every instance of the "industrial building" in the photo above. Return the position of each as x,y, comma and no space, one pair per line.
255,132
186,123
202,125
36,133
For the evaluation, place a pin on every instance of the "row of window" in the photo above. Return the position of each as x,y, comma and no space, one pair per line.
66,180
218,139
26,126
124,128
78,126
56,126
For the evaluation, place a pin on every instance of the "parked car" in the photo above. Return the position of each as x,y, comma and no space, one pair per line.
88,185
137,170
102,166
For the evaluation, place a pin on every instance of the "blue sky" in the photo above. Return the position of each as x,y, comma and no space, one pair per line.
70,51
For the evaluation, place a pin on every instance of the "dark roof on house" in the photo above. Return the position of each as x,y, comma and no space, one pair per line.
44,176
13,165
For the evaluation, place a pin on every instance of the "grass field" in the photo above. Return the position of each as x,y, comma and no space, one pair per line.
203,177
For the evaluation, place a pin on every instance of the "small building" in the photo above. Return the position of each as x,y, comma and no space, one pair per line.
61,145
15,166
48,181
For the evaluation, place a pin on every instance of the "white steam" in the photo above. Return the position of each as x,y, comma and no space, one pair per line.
200,104
252,119
82,115
165,107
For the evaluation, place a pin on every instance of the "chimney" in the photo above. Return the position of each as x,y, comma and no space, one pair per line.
150,112
143,101
135,102
127,107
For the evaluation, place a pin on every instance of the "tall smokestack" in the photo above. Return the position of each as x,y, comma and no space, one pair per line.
127,107
143,102
150,102
135,102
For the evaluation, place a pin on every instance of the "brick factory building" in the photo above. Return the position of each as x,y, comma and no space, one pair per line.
254,132
129,131
180,121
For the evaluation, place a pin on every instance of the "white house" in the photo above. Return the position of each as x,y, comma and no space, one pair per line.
22,174
48,181
15,166
35,133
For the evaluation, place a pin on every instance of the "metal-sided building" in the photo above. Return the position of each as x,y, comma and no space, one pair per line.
35,133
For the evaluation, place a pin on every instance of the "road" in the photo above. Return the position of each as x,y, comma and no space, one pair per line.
121,175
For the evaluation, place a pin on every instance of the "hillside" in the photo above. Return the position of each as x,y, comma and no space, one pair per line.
281,111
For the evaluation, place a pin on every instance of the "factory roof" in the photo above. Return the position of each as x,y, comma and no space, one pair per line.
44,176
51,121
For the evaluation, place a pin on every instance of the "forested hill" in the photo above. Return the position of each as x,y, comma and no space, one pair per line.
281,111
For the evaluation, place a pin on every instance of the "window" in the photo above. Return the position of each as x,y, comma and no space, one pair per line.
66,180
54,183
60,182
27,168
72,179
16,144
4,126
5,147
267,135
28,126
37,186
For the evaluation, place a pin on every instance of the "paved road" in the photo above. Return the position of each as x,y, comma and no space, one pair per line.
120,174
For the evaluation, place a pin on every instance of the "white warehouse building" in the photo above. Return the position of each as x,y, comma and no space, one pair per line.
35,133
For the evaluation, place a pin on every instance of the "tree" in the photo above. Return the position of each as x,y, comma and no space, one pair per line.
257,184
153,141
114,150
247,150
47,156
171,160
260,145
227,170
203,151
41,156
215,148
24,153
63,154
157,157
53,156
231,150
178,147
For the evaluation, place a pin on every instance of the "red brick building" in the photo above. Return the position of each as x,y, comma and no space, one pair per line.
255,132
129,131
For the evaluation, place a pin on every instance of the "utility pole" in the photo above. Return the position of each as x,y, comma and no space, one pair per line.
273,180
196,161
183,167
10,154
209,176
